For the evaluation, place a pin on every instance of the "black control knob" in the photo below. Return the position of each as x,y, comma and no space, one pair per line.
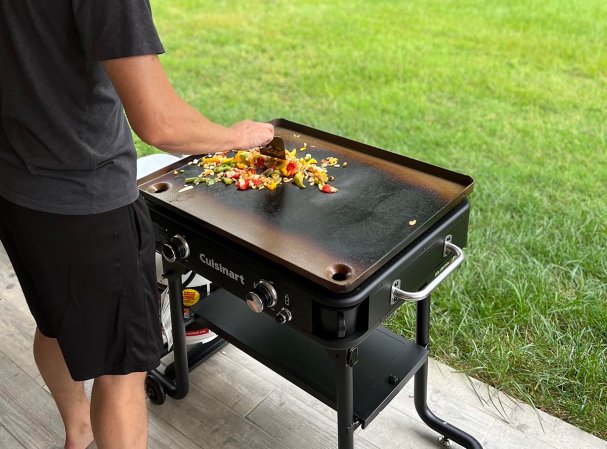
284,316
176,248
263,295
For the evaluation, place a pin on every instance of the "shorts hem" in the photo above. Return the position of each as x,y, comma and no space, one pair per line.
122,371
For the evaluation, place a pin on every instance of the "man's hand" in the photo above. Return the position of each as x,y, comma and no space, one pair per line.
253,134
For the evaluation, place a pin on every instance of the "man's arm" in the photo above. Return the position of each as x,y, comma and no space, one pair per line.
162,119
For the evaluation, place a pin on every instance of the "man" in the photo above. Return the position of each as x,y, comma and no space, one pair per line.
71,219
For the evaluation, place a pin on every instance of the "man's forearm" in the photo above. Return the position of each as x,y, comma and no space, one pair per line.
183,130
161,118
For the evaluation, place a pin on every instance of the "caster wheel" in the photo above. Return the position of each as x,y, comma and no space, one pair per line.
154,390
444,441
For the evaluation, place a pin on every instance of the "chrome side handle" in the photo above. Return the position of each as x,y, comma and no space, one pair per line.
396,293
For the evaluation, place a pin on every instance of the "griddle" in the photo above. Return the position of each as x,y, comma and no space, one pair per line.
335,240
321,271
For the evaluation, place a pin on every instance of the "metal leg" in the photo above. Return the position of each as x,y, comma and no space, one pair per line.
181,386
344,361
420,390
175,379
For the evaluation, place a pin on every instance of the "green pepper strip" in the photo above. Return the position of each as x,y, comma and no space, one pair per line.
298,179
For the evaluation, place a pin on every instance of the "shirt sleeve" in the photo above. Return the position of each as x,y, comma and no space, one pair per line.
111,29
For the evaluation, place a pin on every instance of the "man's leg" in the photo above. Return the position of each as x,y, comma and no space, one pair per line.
119,411
69,395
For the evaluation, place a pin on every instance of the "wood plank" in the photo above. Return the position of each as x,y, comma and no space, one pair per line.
231,383
492,432
27,412
396,430
303,402
517,414
210,424
446,386
297,425
162,435
471,390
8,441
17,325
18,328
539,424
9,284
278,381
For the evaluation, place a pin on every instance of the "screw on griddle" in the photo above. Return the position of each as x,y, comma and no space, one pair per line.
393,380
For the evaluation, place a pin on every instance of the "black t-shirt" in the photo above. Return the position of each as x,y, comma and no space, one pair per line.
65,144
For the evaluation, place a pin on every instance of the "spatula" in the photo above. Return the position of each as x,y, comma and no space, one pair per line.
276,148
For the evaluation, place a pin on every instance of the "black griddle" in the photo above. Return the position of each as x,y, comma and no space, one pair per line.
323,270
336,240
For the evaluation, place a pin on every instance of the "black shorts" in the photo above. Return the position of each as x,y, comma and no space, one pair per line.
90,282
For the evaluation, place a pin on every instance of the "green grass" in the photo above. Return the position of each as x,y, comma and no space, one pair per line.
512,93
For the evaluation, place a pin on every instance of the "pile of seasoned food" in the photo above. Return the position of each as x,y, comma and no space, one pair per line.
252,170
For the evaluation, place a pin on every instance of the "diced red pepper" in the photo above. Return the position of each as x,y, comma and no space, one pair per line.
291,168
242,184
328,189
260,162
232,174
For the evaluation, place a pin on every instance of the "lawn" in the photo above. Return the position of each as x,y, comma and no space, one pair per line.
512,93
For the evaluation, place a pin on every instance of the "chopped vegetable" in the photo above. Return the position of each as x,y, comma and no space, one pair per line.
298,180
328,189
242,184
251,170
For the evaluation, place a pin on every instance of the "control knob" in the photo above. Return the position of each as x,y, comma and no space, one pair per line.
176,248
283,316
263,295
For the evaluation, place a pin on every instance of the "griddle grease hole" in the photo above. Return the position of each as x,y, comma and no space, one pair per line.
159,187
339,272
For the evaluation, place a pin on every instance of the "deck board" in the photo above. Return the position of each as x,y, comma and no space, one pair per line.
235,402
27,411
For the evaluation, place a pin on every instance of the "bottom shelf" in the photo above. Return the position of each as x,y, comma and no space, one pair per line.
386,361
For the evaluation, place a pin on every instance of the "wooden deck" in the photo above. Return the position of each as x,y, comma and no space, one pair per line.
237,403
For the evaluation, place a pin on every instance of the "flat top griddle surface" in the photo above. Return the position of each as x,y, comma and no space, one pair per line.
336,240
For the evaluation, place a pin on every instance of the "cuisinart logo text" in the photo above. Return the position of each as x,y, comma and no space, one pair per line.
219,267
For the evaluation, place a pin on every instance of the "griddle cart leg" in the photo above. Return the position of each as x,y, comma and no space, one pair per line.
344,369
179,387
420,389
175,379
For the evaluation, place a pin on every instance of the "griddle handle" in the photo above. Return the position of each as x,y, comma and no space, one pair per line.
397,293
